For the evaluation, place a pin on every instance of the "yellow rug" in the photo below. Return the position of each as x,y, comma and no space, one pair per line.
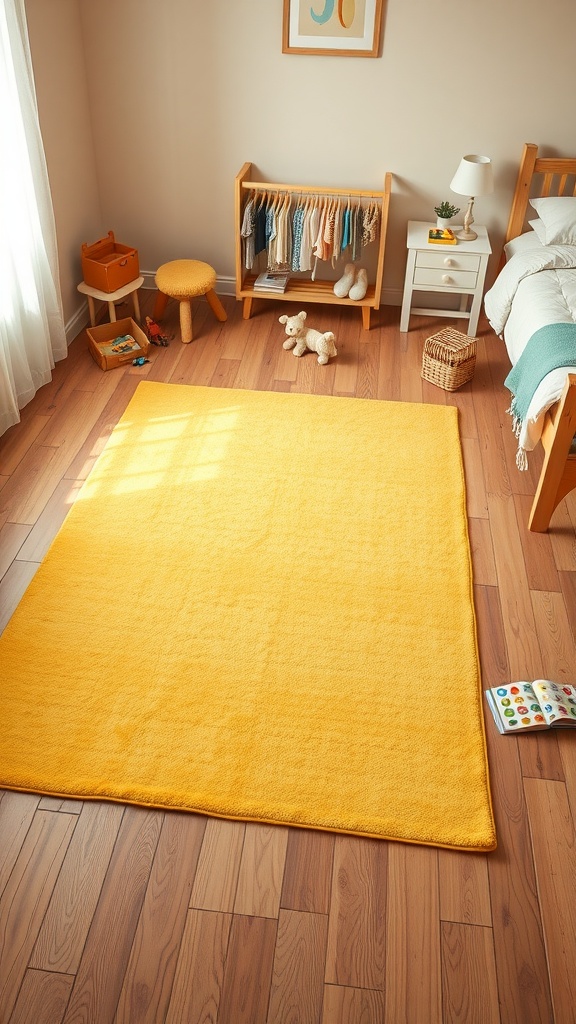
260,607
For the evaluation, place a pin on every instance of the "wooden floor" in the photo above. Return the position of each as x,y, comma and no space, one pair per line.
119,914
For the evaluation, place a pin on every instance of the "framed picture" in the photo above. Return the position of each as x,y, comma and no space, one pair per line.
341,28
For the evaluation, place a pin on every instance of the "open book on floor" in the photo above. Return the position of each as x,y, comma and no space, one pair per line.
525,707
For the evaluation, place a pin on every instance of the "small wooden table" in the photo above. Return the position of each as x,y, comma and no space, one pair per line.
111,297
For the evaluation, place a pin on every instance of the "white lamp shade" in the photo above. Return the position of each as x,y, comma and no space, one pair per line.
474,176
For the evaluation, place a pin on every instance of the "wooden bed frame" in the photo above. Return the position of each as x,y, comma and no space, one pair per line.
548,176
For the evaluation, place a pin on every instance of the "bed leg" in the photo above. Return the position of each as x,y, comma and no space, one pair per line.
558,476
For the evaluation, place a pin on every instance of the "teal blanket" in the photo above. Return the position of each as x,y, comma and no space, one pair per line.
550,347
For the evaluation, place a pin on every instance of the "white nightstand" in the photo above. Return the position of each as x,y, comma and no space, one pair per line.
451,269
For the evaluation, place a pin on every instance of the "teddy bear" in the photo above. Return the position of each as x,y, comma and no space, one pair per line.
302,338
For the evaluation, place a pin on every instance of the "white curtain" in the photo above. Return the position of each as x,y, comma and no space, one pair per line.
32,335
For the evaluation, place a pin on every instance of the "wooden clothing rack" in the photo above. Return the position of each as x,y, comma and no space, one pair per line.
300,289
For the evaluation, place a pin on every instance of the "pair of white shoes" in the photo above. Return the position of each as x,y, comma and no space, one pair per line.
353,283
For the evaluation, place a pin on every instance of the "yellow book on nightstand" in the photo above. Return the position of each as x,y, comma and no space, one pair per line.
442,236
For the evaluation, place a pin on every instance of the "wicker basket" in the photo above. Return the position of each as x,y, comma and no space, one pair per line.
449,359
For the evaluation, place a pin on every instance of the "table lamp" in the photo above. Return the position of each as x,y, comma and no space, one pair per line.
473,178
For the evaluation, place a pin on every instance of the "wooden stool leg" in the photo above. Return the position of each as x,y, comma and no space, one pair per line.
136,304
112,312
216,306
160,306
92,311
185,320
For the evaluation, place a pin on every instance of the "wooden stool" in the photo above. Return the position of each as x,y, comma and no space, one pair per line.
111,297
184,280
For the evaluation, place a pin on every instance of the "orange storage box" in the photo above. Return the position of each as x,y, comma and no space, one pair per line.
117,343
108,265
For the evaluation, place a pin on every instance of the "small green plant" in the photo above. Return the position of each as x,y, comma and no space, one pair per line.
446,210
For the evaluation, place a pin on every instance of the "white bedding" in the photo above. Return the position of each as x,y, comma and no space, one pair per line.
537,286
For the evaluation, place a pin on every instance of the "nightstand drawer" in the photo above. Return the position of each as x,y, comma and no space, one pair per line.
446,277
452,260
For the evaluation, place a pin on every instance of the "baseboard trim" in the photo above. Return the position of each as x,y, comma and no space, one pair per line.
224,286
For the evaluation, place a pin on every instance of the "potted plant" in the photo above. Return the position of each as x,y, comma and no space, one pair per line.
444,213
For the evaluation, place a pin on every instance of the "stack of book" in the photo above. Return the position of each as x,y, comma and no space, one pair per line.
271,282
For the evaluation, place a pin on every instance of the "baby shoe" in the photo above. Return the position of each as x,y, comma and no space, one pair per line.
360,286
342,287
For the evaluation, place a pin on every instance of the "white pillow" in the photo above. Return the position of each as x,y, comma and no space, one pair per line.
538,227
558,214
529,240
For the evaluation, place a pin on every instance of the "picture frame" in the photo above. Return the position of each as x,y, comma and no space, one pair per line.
336,28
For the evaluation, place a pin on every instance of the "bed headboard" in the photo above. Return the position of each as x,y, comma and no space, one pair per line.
538,176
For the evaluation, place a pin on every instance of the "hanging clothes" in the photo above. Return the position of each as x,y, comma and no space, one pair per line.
370,223
296,234
247,233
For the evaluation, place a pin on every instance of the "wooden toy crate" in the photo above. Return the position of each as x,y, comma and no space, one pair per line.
103,339
108,265
449,359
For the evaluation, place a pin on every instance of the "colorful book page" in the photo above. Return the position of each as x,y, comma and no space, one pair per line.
518,706
558,701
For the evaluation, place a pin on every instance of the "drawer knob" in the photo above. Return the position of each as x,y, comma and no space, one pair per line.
448,262
446,279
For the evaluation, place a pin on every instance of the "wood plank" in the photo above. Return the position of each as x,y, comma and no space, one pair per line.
17,812
491,640
368,362
413,961
225,373
197,988
563,538
517,613
541,569
308,871
355,954
248,971
554,844
50,520
17,442
343,1005
554,636
42,998
297,986
25,898
111,934
218,866
520,955
389,365
464,888
482,552
12,537
63,933
249,369
96,438
476,500
410,369
568,587
147,986
470,990
24,496
261,870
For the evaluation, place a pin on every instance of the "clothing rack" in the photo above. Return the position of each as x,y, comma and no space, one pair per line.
301,289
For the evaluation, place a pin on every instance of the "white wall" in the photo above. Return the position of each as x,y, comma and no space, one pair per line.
181,93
